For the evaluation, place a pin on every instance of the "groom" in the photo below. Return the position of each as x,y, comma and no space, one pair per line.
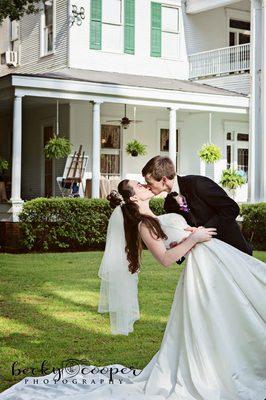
198,199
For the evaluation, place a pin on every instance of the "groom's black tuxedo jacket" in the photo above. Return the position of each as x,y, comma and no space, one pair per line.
210,207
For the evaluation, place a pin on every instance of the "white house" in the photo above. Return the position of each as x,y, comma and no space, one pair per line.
190,70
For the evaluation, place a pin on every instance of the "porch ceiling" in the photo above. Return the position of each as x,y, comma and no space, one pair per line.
197,6
76,84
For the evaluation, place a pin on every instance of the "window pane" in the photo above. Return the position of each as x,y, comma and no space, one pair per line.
170,19
170,45
243,38
245,25
50,38
232,38
242,160
164,140
112,38
110,164
48,10
111,11
110,137
229,136
242,136
228,156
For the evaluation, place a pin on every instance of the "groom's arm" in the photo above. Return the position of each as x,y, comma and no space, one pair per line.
225,208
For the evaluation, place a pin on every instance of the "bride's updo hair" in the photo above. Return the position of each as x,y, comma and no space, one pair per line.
114,198
132,218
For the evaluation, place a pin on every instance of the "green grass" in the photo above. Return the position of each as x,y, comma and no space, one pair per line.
48,305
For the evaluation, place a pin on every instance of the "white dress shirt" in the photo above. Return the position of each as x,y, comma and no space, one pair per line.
176,186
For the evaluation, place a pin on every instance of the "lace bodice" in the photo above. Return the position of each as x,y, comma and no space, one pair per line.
174,226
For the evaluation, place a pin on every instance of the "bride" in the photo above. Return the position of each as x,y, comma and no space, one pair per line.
213,346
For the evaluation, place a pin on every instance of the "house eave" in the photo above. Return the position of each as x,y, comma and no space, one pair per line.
91,91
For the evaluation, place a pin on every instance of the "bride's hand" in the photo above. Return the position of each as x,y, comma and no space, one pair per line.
202,234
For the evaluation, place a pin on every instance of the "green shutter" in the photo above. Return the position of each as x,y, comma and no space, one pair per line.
129,27
96,24
156,29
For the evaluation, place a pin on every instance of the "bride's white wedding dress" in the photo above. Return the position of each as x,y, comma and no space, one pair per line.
213,347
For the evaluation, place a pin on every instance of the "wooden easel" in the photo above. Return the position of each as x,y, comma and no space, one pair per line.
75,170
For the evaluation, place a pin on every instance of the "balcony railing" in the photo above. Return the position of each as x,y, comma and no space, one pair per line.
220,61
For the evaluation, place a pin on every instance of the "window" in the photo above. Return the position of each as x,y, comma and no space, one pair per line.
237,151
47,28
112,28
239,32
164,139
164,143
164,31
110,149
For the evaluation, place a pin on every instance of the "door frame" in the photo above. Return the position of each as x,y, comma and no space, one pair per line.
164,124
115,151
45,123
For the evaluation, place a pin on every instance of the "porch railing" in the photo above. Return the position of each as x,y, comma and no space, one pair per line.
220,61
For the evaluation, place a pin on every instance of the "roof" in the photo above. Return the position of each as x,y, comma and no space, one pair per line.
116,78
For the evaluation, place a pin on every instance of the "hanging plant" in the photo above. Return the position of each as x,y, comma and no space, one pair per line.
135,148
3,165
210,153
57,147
232,179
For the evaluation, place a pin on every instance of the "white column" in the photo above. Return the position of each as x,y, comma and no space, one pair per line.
172,135
96,149
255,161
263,103
16,158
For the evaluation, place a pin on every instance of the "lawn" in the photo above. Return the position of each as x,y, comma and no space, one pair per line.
48,306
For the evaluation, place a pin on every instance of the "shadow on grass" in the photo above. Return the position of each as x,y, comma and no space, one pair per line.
49,311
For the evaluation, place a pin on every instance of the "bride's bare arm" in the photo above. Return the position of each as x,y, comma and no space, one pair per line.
167,257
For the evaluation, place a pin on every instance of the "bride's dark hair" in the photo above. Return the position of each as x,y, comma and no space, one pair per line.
132,218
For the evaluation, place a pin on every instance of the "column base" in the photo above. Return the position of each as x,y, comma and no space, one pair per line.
17,205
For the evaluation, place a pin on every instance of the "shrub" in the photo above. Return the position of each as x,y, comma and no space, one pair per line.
59,223
68,223
254,224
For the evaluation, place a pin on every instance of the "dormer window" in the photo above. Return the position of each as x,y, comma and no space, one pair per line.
47,28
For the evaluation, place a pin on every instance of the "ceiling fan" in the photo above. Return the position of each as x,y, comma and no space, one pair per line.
125,121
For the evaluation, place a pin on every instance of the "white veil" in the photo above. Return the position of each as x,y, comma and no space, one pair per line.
119,288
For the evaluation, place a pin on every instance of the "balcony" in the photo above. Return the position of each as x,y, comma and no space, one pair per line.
226,60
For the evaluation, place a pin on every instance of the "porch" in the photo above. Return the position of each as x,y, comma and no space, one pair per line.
175,119
226,60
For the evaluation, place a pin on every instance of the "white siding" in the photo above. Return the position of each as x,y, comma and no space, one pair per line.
238,83
81,56
30,43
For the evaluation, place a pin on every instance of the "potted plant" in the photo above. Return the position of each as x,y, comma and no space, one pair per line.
57,147
3,167
231,179
135,148
210,153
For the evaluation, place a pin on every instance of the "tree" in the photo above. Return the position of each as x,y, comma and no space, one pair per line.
15,9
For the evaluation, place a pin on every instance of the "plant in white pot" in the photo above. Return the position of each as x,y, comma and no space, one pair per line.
231,179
